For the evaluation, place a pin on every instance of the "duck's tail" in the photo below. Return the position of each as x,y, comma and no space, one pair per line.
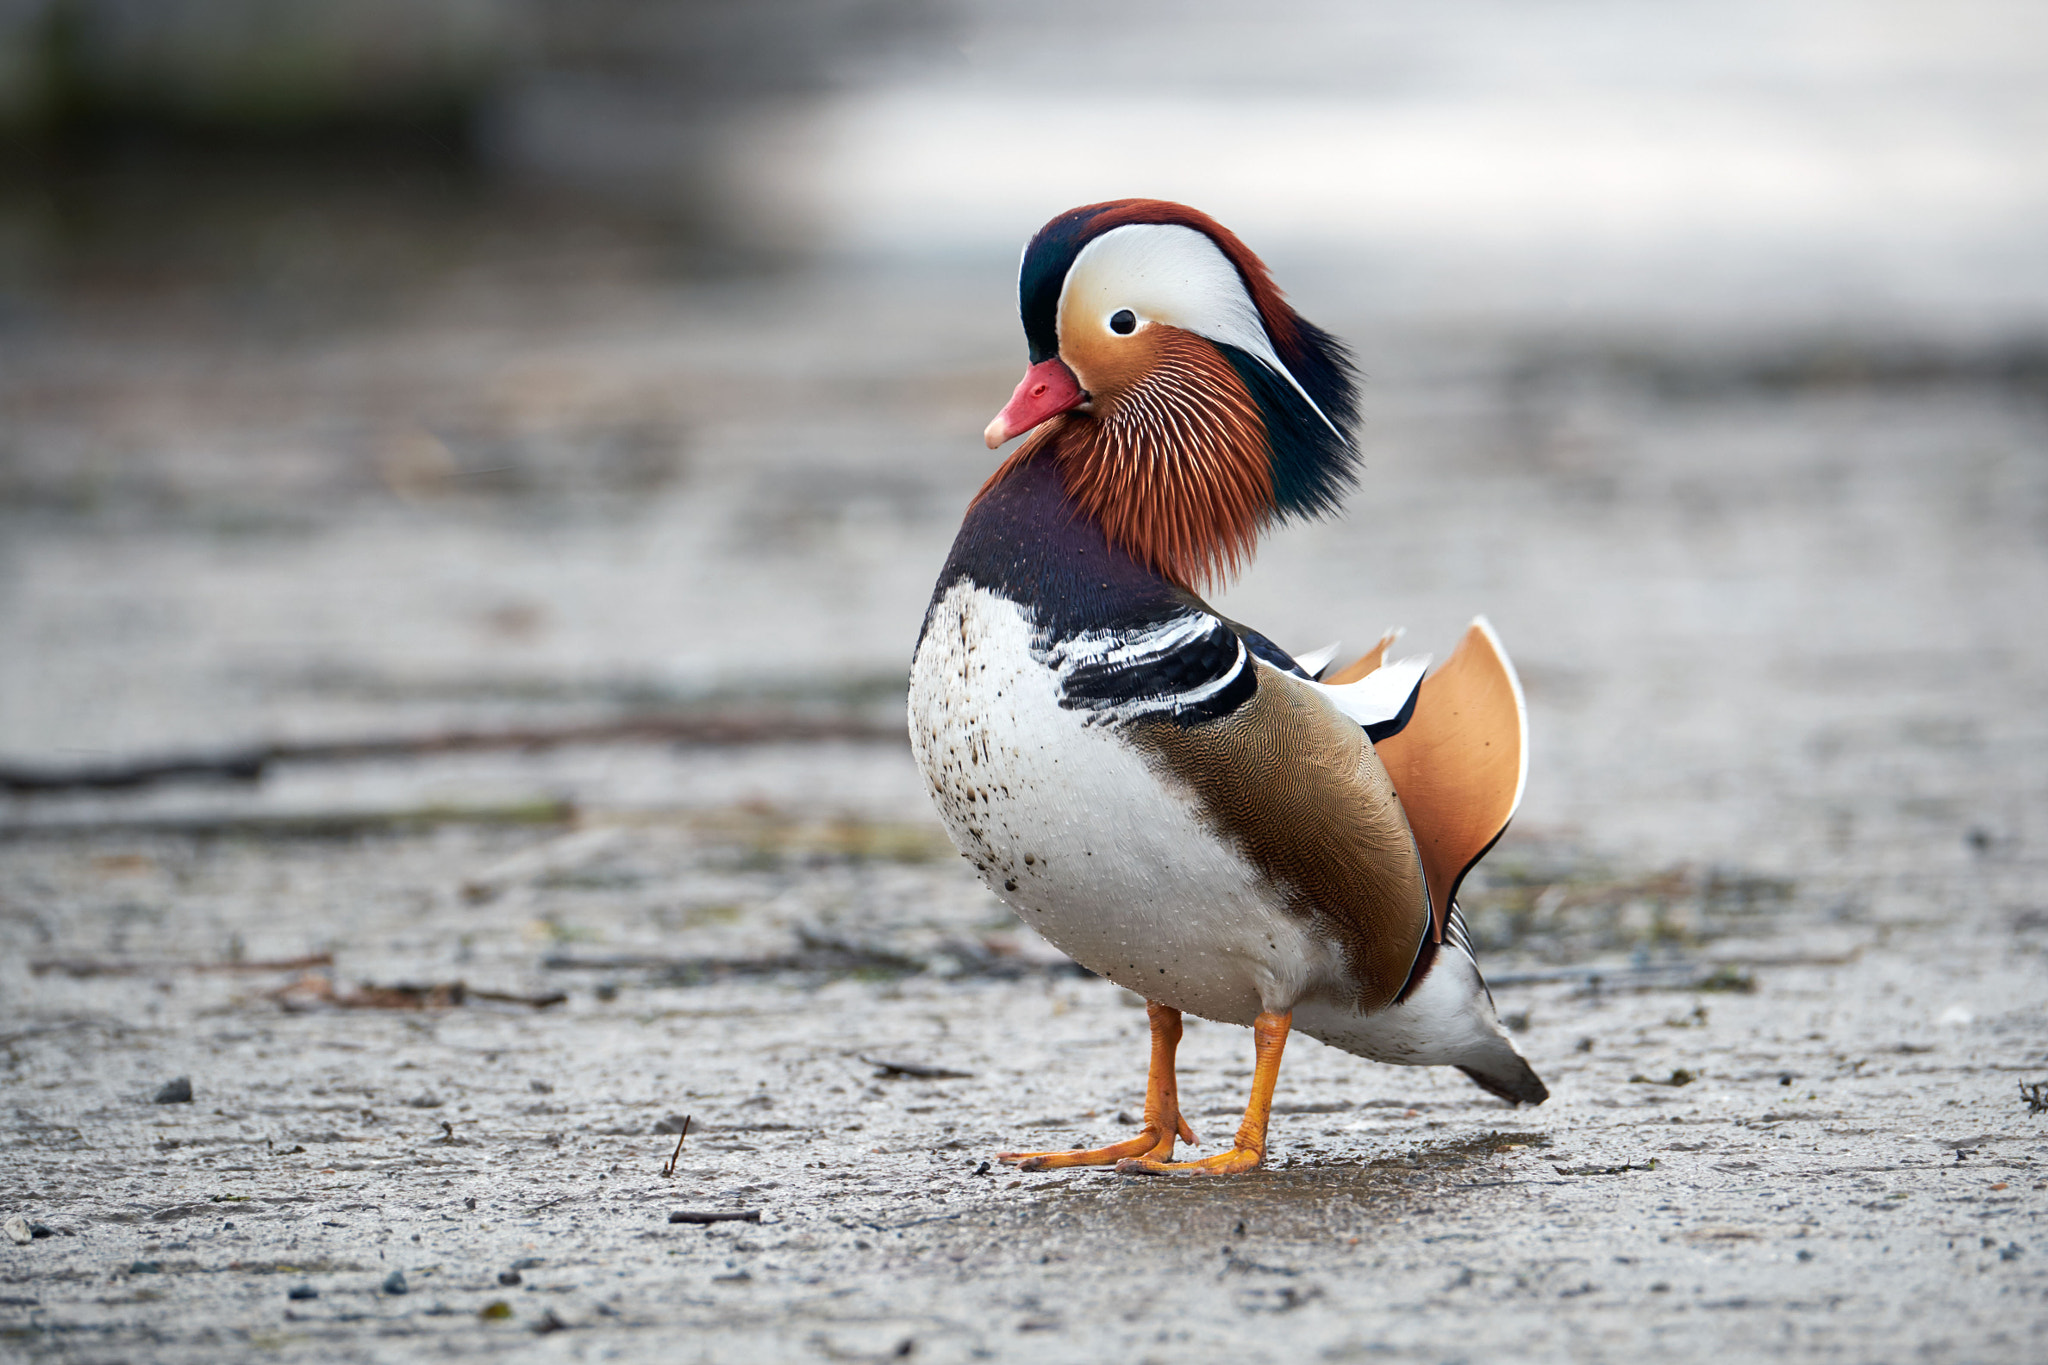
1444,1017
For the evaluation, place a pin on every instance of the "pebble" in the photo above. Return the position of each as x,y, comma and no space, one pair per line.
177,1091
394,1283
303,1291
17,1230
509,1277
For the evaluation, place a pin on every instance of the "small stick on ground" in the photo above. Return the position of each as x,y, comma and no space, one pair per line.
915,1070
717,1216
668,1171
1621,1169
539,1002
313,989
88,967
247,764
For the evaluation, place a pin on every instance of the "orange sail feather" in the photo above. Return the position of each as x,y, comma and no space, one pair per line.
1460,763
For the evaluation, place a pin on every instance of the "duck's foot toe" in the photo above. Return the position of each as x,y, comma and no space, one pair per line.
1154,1144
1236,1161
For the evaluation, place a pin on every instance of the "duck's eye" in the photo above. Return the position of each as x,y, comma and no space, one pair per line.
1123,322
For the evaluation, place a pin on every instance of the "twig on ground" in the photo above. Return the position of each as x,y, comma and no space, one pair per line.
341,824
539,1002
88,967
815,953
312,990
1625,1166
914,1222
668,1171
2035,1093
915,1071
1731,976
248,763
715,1216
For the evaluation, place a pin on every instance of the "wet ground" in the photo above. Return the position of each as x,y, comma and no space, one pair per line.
1772,923
532,633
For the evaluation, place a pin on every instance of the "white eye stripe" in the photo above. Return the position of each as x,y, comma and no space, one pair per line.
1164,272
1170,274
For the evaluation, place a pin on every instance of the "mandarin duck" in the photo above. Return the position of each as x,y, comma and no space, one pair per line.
1166,795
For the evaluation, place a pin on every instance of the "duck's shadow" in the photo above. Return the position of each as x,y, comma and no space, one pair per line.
1316,1199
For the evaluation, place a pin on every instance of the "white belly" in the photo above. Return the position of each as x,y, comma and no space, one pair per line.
1074,830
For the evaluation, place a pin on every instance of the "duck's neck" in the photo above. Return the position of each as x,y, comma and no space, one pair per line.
1174,469
1027,539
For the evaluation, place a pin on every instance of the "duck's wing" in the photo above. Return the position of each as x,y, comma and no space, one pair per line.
1460,762
1383,701
1317,662
1290,781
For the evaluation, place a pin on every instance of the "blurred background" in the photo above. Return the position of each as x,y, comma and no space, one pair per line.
373,371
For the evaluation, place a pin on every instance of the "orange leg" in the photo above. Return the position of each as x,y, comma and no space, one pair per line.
1269,1036
1162,1110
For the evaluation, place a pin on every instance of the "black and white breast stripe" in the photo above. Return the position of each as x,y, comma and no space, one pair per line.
1265,649
1188,668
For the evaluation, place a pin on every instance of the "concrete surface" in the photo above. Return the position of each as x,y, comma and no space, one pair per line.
1764,521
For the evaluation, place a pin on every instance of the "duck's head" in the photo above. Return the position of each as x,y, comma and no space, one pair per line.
1187,405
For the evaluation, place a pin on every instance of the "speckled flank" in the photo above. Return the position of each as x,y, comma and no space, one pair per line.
1071,827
